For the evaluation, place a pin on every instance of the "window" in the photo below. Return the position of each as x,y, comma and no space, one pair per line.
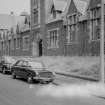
9,42
95,23
19,63
98,12
0,46
25,63
35,16
54,14
94,13
72,28
0,36
53,38
72,19
75,19
53,11
26,43
18,43
14,43
84,25
36,65
95,30
71,33
3,46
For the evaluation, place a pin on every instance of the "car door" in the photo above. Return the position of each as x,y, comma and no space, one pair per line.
1,65
18,68
24,69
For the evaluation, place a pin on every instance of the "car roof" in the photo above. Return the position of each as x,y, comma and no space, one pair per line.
33,61
24,60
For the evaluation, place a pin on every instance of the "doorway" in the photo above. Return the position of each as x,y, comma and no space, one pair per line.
40,48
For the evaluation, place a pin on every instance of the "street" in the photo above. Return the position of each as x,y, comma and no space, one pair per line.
19,92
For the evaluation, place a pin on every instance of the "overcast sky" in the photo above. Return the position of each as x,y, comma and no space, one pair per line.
17,6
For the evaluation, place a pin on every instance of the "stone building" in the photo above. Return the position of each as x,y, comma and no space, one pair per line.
55,28
15,35
69,27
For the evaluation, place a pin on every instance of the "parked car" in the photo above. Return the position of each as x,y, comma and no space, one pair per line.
32,70
6,63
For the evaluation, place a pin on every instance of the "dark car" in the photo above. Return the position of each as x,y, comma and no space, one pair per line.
32,70
6,63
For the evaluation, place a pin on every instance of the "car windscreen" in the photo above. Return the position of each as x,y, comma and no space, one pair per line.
36,65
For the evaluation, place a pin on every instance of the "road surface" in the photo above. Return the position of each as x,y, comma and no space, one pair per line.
19,92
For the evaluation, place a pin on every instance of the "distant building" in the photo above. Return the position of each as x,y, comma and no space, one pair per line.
15,34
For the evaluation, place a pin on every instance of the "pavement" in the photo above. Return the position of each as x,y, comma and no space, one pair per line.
19,92
76,76
97,89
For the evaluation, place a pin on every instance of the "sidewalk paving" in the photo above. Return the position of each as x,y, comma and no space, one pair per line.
77,76
98,90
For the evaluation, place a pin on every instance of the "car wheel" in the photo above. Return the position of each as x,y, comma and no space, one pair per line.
13,75
29,79
4,70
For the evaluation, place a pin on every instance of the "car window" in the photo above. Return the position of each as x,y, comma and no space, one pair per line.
25,63
19,63
36,65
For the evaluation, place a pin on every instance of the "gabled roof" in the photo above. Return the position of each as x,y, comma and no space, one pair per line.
67,7
60,5
94,3
8,21
48,4
80,5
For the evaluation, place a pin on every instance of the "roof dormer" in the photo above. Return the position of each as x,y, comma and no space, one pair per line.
55,9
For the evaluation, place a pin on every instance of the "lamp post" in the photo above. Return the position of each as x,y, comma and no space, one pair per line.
102,42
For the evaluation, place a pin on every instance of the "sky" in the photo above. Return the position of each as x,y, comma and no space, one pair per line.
17,6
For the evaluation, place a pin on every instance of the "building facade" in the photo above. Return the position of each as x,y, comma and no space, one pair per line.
69,27
57,28
15,39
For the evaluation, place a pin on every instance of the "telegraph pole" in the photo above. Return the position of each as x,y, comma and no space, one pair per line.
102,43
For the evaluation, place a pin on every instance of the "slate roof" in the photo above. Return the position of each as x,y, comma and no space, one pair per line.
94,3
67,7
60,4
8,21
81,6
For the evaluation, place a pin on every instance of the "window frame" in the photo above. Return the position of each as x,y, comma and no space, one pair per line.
25,48
35,16
53,40
94,24
72,25
17,43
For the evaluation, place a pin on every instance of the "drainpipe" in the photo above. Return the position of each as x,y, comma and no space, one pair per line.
102,43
